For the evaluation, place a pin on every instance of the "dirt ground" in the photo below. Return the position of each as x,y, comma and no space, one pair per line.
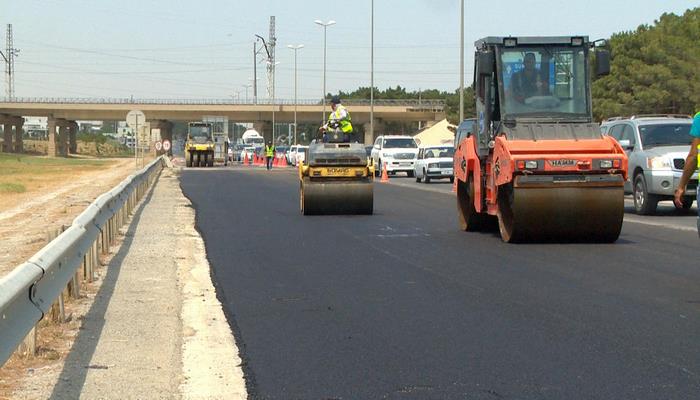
38,194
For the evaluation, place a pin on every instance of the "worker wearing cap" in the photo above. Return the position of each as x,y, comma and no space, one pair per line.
269,154
692,163
339,119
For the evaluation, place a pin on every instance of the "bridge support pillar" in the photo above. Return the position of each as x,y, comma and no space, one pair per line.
51,133
73,137
378,130
19,144
63,140
7,137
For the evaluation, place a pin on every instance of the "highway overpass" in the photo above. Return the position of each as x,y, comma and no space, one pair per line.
64,111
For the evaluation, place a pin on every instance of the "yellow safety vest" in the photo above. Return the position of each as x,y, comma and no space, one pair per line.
345,123
269,151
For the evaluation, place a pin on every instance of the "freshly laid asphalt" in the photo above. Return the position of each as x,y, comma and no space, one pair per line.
403,305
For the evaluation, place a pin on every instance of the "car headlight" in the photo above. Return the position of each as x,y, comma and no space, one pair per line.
432,165
658,163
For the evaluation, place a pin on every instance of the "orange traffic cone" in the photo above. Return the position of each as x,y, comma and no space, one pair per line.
245,159
385,175
275,162
454,185
282,162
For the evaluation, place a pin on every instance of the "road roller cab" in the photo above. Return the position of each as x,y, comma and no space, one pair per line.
536,160
336,179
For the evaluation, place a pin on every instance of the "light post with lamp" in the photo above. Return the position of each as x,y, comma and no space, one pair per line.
325,26
295,48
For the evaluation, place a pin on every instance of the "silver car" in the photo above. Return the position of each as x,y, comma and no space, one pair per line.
434,163
656,146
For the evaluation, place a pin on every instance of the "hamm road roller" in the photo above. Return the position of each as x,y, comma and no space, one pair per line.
336,178
199,148
536,161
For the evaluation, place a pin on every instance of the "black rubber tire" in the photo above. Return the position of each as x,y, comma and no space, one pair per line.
410,174
687,204
426,178
198,160
644,203
418,179
210,160
378,170
452,179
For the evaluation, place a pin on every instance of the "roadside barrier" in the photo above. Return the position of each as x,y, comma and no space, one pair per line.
385,175
36,288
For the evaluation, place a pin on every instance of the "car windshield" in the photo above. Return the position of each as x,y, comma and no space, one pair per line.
199,131
544,81
665,135
440,152
407,143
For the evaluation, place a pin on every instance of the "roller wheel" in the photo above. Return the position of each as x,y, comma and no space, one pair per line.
506,221
210,163
469,219
198,162
644,203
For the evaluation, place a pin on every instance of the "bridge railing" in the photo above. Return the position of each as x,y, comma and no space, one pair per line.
29,291
415,103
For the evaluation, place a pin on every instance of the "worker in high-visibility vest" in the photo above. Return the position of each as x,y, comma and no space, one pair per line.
692,163
269,154
339,122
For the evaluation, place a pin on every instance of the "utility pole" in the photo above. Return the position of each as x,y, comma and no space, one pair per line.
461,65
271,71
255,73
9,58
371,75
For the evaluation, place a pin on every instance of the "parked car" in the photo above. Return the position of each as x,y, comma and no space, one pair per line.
249,151
656,146
434,162
291,154
300,155
397,151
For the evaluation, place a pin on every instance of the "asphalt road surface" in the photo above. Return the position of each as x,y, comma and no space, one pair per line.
402,305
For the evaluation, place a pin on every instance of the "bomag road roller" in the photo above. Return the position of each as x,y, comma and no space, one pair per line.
336,178
199,148
536,161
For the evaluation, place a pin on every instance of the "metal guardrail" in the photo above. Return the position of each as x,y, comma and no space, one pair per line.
64,100
29,291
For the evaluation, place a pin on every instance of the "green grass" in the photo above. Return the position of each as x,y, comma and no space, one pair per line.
12,188
13,164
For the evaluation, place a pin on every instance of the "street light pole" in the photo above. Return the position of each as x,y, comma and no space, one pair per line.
246,86
295,48
325,25
461,65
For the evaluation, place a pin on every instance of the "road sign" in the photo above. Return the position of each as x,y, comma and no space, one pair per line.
159,146
135,118
166,145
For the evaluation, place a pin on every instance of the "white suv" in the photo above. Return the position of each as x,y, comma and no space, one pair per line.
398,152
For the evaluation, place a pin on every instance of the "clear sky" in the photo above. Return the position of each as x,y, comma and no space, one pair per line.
203,49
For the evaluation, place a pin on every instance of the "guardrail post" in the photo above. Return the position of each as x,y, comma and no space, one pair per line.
28,346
